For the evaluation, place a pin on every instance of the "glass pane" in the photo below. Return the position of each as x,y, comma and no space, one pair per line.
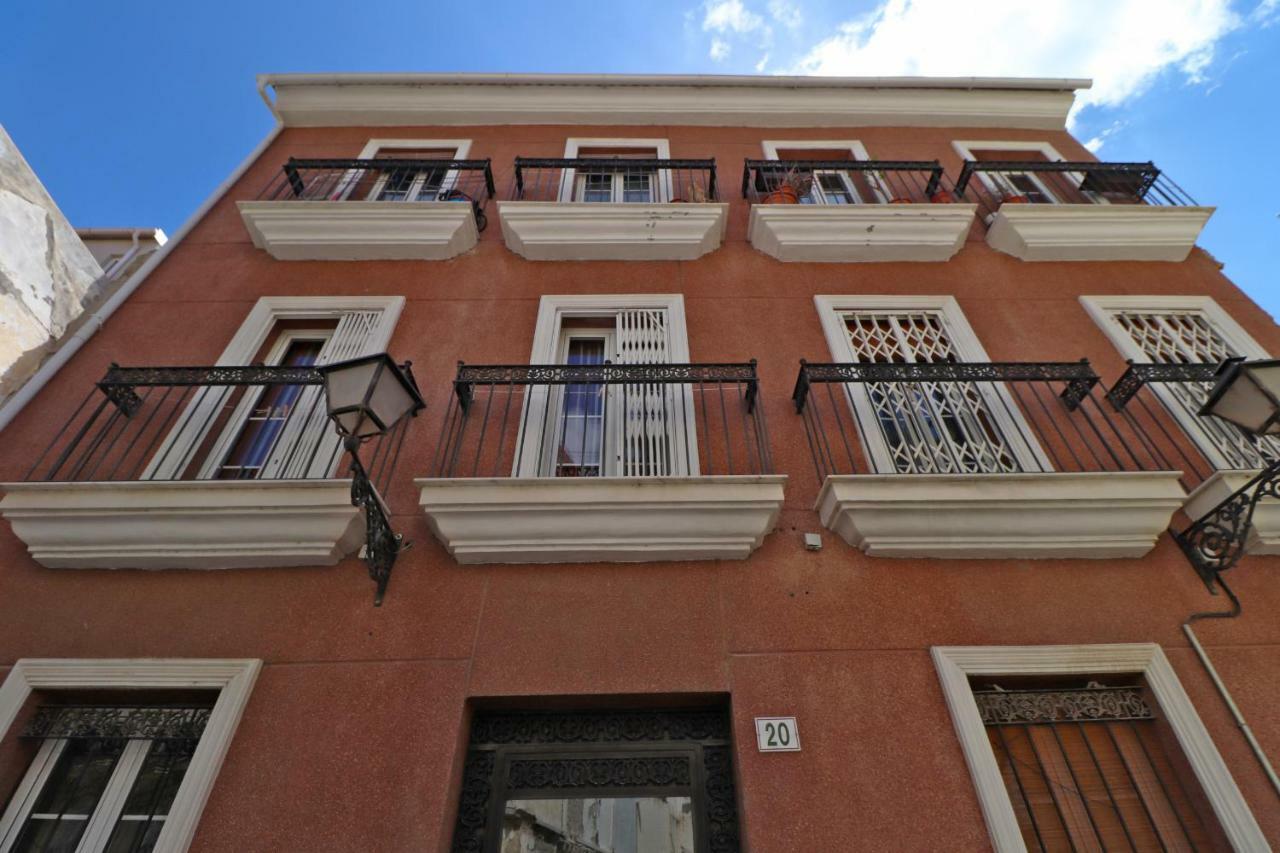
598,825
1026,185
431,181
151,796
69,795
597,186
637,187
834,189
582,422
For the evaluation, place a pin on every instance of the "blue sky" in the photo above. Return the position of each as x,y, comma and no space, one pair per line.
132,113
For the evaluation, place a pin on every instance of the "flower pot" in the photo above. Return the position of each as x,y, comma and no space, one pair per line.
942,197
900,201
783,195
1016,199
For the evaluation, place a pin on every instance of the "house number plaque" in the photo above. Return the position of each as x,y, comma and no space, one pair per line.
777,734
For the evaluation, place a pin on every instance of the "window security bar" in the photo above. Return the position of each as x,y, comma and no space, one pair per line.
385,179
205,423
844,182
638,180
634,420
965,418
992,183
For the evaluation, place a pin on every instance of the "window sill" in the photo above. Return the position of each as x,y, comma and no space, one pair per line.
1264,535
586,231
1096,232
184,524
1094,515
360,230
612,519
860,232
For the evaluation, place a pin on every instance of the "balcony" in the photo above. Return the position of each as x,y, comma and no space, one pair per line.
981,460
1218,456
850,211
613,208
602,463
1083,211
194,468
365,210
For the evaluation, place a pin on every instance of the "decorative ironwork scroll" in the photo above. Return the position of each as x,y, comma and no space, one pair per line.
1141,374
614,772
116,723
1091,704
119,382
1217,541
381,543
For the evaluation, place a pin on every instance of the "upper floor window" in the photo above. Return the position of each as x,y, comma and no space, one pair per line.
412,182
820,177
1012,185
624,171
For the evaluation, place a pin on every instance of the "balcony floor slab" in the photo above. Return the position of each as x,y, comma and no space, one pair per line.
860,232
588,231
360,230
1096,232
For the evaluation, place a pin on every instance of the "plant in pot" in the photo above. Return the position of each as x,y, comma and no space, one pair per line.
789,187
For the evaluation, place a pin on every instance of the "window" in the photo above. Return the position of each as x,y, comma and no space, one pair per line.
598,429
1093,742
833,186
104,778
617,182
1186,330
926,427
405,184
1027,187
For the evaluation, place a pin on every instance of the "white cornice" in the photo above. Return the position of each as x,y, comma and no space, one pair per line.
321,100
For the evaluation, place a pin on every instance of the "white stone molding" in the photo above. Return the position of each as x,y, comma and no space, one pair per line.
621,231
372,100
1096,232
1264,532
233,679
860,232
771,146
268,310
601,519
360,230
461,147
964,516
187,524
553,309
956,664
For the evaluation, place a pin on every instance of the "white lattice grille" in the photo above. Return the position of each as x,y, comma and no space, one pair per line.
928,427
1189,337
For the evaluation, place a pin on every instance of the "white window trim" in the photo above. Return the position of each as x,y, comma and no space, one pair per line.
1022,439
233,679
248,341
965,149
856,148
547,335
956,664
1101,309
461,148
573,145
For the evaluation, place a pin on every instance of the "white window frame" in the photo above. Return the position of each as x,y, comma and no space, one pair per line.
855,147
247,342
547,343
831,310
568,177
1102,308
232,678
965,149
461,148
956,664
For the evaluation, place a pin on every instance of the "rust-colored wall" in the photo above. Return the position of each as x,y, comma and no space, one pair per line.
351,737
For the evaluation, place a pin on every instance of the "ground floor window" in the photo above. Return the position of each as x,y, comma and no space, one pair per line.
599,782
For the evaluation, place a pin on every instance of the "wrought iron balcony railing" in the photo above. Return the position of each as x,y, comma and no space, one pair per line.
385,179
844,182
1165,401
614,179
607,420
965,418
206,423
993,183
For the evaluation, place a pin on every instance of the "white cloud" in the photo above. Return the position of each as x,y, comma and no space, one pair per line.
719,50
725,16
788,13
1265,13
1122,44
760,66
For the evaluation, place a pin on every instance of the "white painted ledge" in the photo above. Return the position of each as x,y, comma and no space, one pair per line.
1093,515
610,519
360,230
589,231
860,232
1264,535
1096,232
207,524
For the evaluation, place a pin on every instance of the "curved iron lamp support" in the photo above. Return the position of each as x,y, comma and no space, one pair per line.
1216,541
382,544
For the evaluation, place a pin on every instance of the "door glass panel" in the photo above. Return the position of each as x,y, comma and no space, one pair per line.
832,189
432,180
68,798
1024,184
597,186
582,422
598,825
151,796
637,187
253,446
397,184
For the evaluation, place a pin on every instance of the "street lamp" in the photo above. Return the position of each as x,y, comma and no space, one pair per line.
1246,394
366,397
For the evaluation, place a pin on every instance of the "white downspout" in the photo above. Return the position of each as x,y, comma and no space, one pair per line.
72,344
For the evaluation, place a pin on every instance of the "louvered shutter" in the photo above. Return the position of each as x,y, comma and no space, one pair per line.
653,436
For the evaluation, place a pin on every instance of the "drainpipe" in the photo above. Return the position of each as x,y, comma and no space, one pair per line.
1232,613
72,344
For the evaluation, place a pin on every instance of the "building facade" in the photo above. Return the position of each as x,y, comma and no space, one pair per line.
795,473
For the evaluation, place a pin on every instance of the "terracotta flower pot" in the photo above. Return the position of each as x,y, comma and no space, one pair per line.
900,201
1016,199
783,195
942,197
